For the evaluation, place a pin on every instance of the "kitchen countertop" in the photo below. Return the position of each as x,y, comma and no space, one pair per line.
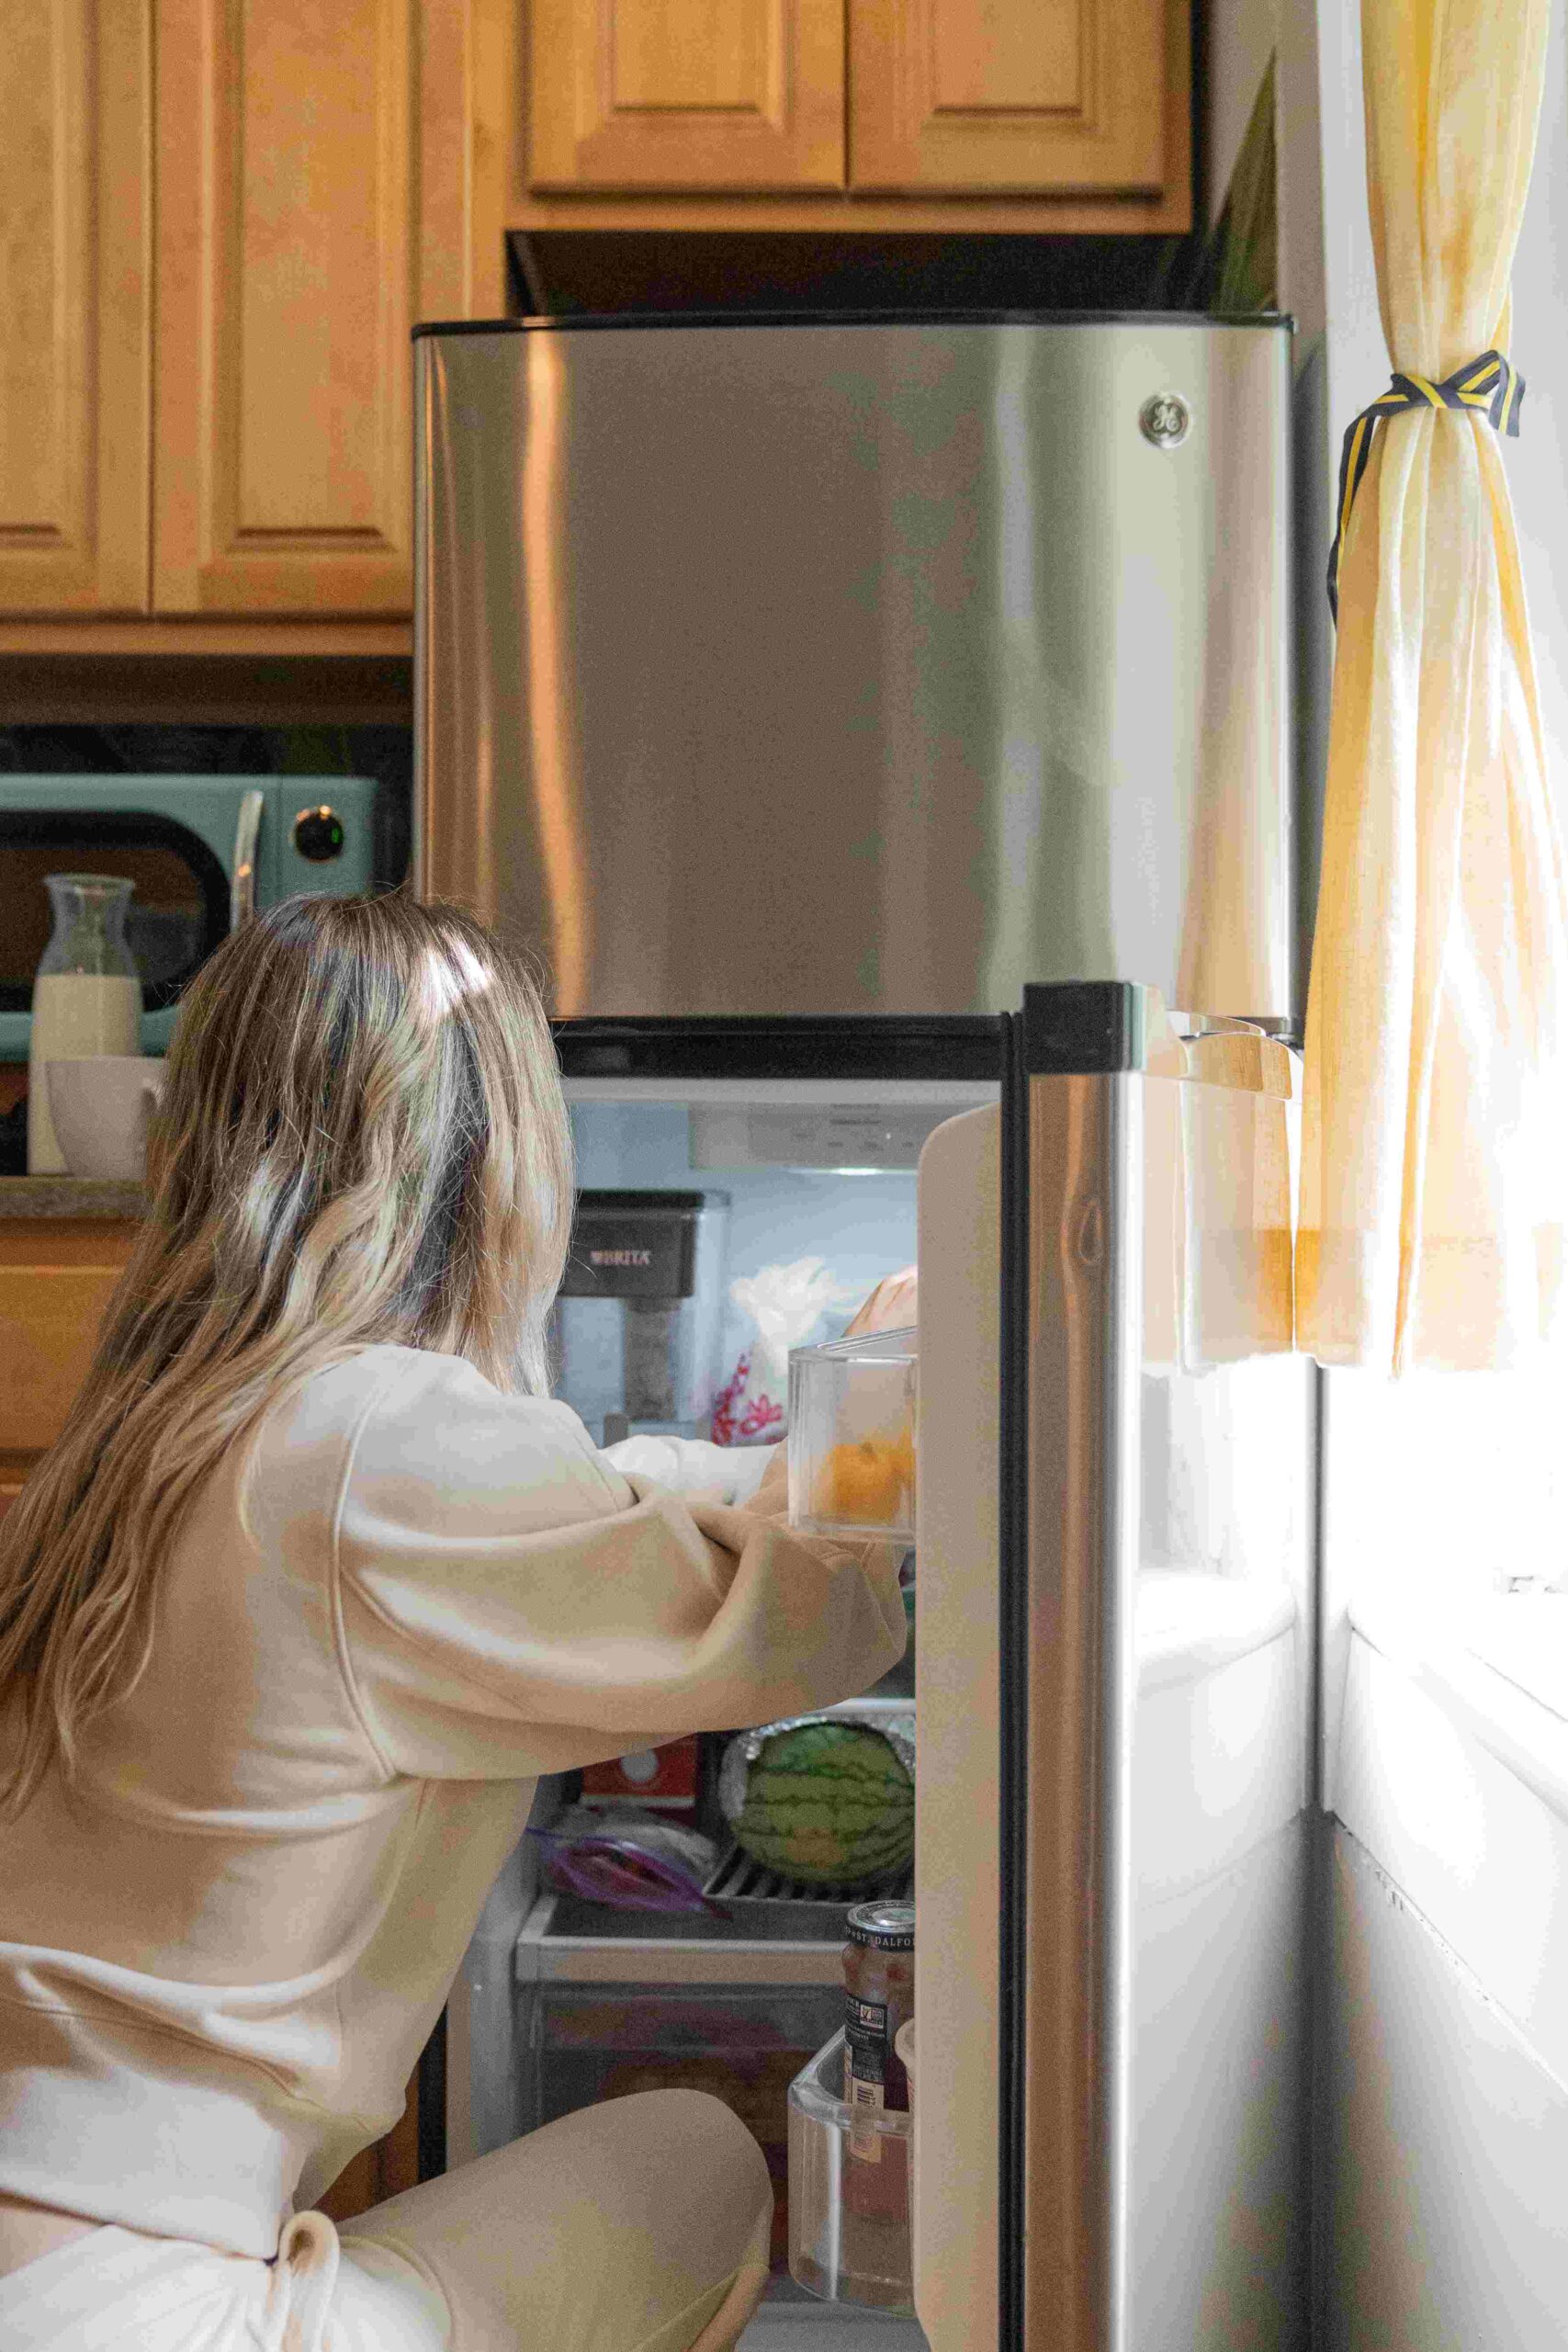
80,1196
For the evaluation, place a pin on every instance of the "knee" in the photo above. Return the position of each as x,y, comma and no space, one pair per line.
699,2138
706,2161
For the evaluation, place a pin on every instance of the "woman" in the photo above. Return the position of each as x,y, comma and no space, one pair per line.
314,1585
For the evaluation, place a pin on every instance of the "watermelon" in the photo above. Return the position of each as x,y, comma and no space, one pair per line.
830,1804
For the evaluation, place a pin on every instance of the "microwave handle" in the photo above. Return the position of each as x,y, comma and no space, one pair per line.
242,889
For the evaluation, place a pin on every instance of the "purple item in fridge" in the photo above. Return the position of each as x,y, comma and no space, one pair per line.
651,1866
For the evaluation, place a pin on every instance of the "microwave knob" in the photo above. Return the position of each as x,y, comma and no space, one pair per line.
318,834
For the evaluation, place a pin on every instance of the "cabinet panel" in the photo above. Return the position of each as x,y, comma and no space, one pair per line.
964,97
55,1282
687,95
287,261
74,277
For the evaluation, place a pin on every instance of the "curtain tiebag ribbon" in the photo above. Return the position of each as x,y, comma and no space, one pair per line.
1488,387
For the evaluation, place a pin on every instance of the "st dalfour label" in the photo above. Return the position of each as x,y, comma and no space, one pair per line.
866,2070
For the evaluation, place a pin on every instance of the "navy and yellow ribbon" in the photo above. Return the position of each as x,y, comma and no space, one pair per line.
1489,386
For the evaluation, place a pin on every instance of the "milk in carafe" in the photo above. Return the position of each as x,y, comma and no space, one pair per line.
86,996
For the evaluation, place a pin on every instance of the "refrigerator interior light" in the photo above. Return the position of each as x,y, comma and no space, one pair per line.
847,1138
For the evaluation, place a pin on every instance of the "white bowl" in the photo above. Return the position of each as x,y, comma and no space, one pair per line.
99,1107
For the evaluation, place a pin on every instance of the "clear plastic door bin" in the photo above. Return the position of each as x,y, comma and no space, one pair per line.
851,1436
849,2191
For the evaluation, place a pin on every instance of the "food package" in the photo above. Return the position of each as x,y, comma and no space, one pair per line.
630,1863
785,1304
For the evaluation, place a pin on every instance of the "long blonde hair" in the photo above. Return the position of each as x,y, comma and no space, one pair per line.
362,1139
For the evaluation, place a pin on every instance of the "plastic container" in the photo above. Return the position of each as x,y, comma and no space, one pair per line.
851,1436
847,2248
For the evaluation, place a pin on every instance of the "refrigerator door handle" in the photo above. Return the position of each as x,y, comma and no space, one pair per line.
247,832
1068,1722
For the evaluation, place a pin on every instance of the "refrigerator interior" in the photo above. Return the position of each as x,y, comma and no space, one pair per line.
561,2003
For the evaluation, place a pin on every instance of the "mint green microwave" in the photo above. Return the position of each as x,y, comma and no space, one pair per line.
202,852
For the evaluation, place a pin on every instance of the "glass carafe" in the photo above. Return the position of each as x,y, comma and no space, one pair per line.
86,996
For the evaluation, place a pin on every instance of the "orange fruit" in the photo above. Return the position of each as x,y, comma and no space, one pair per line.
866,1483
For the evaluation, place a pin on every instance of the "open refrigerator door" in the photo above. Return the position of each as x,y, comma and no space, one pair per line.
1116,1634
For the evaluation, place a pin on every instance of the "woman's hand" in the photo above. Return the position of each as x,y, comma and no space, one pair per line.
893,1306
770,1499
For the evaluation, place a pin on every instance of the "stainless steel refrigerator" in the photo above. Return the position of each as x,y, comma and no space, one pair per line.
875,728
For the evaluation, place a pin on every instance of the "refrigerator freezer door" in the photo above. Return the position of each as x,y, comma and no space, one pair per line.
845,667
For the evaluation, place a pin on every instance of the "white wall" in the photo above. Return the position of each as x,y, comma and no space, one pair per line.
1451,2143
1241,35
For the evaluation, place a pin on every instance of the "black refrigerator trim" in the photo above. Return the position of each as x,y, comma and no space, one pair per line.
826,1047
430,2105
1013,1691
601,321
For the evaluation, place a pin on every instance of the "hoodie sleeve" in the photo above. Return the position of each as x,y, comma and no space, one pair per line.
729,1474
510,1604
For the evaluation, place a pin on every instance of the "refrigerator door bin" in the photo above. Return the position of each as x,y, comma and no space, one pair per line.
851,1436
744,2044
848,2233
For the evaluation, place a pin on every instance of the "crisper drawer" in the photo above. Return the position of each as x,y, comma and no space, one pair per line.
745,2044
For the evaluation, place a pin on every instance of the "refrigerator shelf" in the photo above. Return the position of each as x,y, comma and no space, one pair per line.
556,1946
764,1918
772,1907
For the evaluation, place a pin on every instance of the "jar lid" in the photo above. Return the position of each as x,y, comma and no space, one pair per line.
885,1926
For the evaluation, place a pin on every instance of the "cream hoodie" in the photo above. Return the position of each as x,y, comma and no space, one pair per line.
222,1952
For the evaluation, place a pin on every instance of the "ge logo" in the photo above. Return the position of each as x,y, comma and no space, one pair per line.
1164,420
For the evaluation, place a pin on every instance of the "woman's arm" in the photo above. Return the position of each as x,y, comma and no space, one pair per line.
510,1604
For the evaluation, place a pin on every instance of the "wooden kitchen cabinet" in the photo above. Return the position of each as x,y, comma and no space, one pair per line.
1065,115
75,268
287,281
56,1274
1009,96
205,365
688,94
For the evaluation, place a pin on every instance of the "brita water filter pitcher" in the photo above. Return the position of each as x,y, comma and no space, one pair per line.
638,1321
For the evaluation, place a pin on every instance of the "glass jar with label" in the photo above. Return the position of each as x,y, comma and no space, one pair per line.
879,1995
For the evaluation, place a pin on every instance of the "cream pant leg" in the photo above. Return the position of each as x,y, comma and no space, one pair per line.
641,2225
638,2227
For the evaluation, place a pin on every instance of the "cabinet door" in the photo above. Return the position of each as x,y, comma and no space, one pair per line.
76,230
687,95
1017,96
285,273
56,1278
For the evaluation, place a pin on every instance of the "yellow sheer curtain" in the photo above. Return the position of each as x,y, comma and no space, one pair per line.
1435,1143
